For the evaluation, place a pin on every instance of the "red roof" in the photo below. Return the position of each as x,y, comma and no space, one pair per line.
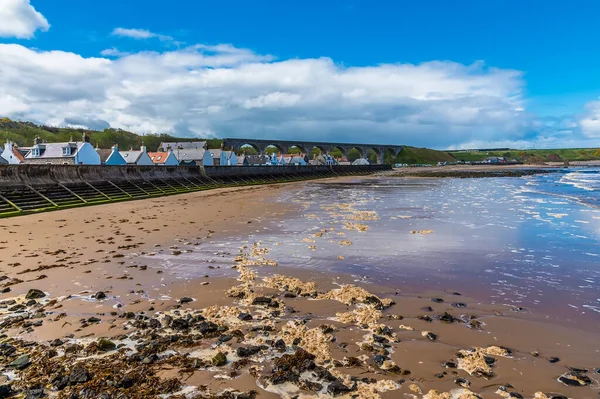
158,157
17,154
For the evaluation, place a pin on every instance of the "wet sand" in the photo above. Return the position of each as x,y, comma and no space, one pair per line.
261,330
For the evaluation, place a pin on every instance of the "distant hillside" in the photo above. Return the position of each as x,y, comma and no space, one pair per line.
414,155
533,156
24,133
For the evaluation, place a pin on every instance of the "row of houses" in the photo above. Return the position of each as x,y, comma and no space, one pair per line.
195,153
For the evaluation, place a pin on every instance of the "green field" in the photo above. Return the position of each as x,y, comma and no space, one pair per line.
532,156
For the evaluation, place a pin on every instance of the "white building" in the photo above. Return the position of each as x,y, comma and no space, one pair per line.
137,157
11,154
71,153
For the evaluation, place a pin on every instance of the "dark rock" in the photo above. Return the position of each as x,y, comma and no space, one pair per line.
449,365
94,319
99,295
437,300
515,395
262,300
6,349
225,338
425,318
126,382
185,300
207,327
447,318
106,345
379,339
5,391
5,290
427,309
20,363
379,359
337,388
279,344
248,351
578,370
150,359
459,305
79,375
289,294
245,316
219,360
431,336
575,379
462,382
180,324
373,300
439,375
554,360
35,294
154,323
34,393
30,302
56,342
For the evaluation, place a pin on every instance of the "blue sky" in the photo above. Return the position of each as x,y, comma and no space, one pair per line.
509,72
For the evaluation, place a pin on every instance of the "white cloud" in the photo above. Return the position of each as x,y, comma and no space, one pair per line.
18,18
590,120
225,91
139,34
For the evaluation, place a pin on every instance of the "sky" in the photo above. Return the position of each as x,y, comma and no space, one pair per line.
440,74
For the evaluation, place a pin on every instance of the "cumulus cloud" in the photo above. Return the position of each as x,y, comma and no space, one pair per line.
224,91
590,120
18,18
139,34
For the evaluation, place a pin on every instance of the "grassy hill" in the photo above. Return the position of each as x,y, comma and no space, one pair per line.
24,133
533,156
414,155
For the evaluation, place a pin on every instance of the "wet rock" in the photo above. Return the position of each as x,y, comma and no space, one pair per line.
248,351
185,300
56,342
99,295
289,294
374,301
288,367
575,379
225,338
20,363
207,327
425,318
6,349
430,336
554,360
126,382
154,323
279,344
515,395
310,386
337,388
31,302
106,345
462,382
34,393
35,294
437,300
459,305
447,318
93,319
261,300
439,375
150,359
379,339
5,391
245,316
180,324
79,375
449,365
474,324
379,359
219,359
427,309
5,290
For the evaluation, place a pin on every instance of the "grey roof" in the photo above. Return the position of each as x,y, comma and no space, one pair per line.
182,145
189,154
104,153
55,150
131,157
255,160
3,161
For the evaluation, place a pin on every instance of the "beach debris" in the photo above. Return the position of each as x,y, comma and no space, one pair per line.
575,378
429,335
479,361
460,393
422,232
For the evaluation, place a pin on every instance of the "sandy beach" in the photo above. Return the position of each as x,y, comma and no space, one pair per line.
88,313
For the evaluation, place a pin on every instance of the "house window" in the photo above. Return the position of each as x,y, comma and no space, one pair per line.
159,157
66,151
35,152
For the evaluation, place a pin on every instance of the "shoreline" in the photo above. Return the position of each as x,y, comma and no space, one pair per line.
101,254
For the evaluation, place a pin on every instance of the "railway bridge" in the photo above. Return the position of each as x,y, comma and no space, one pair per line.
305,147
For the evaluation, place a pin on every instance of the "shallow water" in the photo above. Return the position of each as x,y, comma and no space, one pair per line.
532,242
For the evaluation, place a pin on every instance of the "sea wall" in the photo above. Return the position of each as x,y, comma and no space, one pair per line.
44,175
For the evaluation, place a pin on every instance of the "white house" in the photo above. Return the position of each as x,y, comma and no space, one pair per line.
137,157
11,154
164,158
71,153
115,158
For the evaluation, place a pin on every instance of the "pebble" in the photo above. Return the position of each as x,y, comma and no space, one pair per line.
185,299
35,294
219,359
554,360
99,295
106,345
462,382
437,300
245,316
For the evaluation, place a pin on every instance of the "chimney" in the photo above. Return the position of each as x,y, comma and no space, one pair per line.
115,147
143,147
85,138
37,140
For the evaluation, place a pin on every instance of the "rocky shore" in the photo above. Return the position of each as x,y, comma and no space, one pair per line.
86,315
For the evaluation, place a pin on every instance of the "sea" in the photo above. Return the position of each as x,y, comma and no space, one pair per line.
530,242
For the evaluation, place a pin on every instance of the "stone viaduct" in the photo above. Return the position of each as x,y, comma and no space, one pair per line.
306,146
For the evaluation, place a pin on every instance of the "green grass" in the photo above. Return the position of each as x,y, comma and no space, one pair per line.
414,155
533,156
